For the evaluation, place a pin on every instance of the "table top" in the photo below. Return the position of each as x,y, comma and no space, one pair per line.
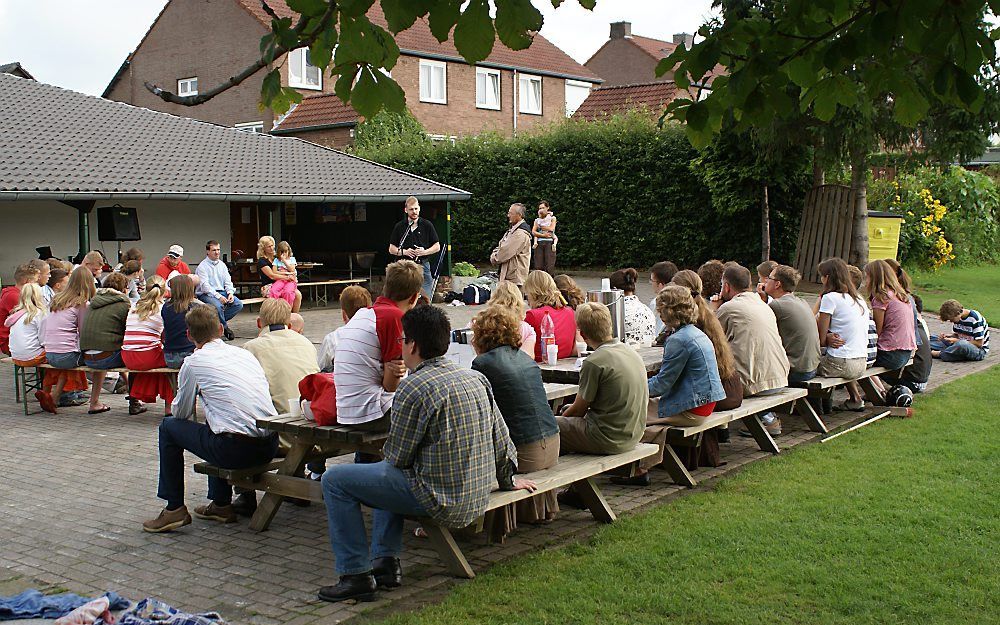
567,370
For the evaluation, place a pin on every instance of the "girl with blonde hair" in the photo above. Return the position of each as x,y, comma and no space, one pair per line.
284,265
570,290
268,275
546,302
142,349
61,337
507,296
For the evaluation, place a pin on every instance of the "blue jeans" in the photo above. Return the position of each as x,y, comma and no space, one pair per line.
959,351
66,360
795,377
228,452
226,311
174,360
428,280
380,486
111,362
892,360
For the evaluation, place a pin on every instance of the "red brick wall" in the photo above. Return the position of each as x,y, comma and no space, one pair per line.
338,138
620,62
189,40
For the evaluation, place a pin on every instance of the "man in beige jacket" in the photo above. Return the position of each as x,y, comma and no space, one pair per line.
752,331
513,253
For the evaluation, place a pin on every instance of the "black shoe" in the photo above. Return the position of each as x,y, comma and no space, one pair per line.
827,405
245,504
360,587
387,572
571,499
228,334
641,479
722,435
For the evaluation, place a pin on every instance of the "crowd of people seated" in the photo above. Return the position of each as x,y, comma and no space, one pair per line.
454,433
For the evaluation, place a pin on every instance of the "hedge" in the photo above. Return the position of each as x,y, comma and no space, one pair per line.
624,191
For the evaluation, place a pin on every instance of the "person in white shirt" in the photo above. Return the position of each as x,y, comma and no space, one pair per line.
217,288
352,299
233,393
842,322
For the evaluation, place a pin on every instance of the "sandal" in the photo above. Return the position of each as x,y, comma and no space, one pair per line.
847,406
99,410
135,407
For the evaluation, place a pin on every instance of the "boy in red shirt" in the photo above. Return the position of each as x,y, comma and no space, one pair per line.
9,298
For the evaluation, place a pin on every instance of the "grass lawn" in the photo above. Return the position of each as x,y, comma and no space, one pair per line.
895,523
975,287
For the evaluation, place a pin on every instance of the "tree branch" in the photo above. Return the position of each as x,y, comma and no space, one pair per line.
256,66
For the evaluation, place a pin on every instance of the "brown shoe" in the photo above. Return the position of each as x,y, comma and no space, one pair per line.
212,512
168,520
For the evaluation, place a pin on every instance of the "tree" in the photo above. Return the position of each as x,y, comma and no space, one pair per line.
848,76
345,43
386,130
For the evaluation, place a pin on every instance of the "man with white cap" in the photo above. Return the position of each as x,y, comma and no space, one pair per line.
172,264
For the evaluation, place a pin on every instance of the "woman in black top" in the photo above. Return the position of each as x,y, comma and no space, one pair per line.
520,395
265,268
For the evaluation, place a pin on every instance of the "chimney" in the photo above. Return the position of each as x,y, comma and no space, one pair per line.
686,39
621,30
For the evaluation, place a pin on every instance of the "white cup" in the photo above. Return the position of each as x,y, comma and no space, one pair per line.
605,284
294,408
552,354
581,347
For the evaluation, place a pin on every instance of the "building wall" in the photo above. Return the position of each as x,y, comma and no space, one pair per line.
337,138
460,116
620,62
31,224
188,40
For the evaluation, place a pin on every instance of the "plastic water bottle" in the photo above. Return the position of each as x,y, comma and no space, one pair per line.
548,332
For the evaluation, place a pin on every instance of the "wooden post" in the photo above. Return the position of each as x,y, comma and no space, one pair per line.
859,185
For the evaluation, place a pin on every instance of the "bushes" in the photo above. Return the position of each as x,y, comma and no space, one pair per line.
623,190
968,222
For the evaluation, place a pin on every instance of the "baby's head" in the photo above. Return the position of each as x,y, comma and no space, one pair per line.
543,209
283,251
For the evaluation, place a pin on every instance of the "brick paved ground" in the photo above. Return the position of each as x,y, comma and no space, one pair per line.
75,489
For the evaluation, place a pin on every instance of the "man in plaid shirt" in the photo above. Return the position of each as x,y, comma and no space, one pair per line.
448,446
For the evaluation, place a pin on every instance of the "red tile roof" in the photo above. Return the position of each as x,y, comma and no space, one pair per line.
317,110
542,57
662,49
610,100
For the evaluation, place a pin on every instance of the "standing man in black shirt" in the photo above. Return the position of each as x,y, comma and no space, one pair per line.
416,239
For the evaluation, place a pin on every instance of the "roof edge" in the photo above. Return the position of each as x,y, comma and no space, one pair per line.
457,195
284,131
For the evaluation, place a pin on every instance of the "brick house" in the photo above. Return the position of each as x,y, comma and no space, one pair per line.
184,48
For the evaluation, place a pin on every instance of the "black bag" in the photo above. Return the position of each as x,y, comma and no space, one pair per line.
475,294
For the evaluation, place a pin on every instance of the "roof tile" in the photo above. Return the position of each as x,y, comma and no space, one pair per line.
318,110
610,100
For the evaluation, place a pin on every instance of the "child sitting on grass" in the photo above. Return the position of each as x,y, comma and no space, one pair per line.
969,338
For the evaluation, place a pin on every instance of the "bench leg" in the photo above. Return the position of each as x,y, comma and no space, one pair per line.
809,415
270,502
675,467
594,500
448,550
871,392
760,434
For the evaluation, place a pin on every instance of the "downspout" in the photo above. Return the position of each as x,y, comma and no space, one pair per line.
83,208
447,236
513,105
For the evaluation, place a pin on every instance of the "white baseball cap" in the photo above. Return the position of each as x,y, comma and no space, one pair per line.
176,251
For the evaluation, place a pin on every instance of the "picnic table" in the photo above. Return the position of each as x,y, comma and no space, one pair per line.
567,370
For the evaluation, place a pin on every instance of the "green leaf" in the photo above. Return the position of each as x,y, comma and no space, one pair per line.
515,20
271,86
802,72
474,34
365,97
345,82
354,8
401,14
321,51
311,8
443,17
697,116
909,105
676,57
587,4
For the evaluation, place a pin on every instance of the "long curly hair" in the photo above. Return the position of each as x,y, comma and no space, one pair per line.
708,323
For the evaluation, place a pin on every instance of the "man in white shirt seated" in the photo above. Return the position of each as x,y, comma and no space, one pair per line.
217,288
234,393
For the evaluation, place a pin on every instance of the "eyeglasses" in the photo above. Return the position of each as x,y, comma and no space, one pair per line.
404,339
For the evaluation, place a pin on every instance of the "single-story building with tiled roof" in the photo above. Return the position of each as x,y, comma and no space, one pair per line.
64,154
649,97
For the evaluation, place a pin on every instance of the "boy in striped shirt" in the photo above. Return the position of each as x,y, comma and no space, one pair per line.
970,336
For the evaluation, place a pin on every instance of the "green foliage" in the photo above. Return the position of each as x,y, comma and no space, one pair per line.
623,189
387,129
970,222
464,269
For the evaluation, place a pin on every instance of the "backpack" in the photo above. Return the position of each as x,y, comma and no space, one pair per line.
475,294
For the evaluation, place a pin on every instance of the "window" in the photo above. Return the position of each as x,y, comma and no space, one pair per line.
439,139
433,82
530,88
255,127
187,86
301,73
576,92
488,88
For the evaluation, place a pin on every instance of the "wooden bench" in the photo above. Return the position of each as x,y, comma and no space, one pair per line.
25,381
566,371
250,301
820,386
786,401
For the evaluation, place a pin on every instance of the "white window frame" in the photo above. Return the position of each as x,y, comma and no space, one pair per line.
481,102
437,139
184,86
521,91
298,71
254,127
426,87
576,84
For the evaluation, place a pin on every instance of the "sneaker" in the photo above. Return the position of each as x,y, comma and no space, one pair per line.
571,499
135,407
213,512
69,402
773,428
641,479
851,406
168,520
